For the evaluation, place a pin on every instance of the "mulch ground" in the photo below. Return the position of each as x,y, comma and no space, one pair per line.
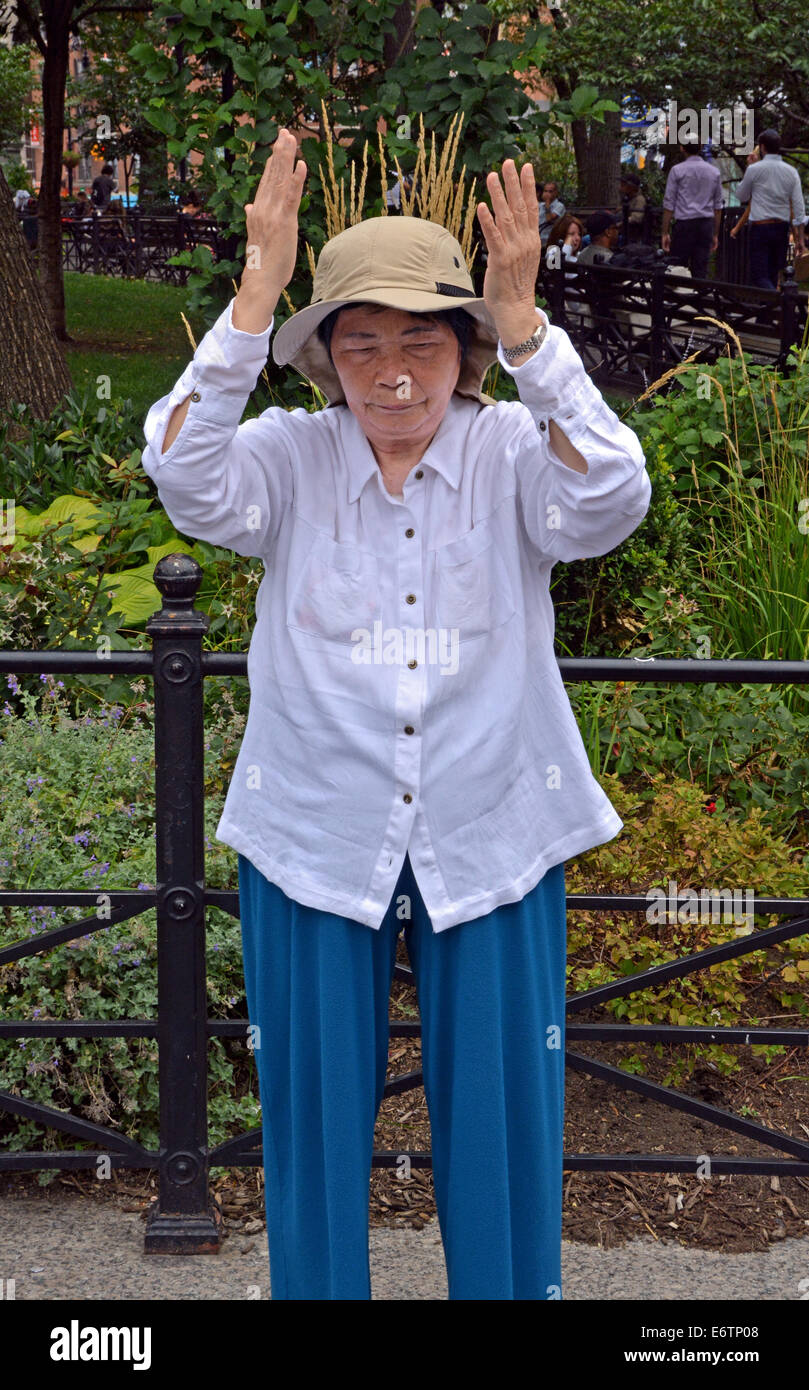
728,1212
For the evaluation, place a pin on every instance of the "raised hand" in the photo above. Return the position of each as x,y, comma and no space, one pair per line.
514,250
272,217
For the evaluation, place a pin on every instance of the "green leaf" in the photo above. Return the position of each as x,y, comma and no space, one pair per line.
583,98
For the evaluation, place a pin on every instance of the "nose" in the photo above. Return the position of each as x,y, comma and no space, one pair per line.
389,367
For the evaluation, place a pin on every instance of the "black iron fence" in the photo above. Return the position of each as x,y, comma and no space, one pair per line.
631,326
184,1219
138,245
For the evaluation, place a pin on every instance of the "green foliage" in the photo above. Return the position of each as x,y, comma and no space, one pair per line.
594,598
84,819
736,438
740,744
669,834
73,450
284,62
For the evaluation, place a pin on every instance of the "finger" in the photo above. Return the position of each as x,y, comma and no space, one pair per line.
500,206
492,235
511,179
284,146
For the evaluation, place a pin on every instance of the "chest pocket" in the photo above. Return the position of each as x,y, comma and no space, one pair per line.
336,592
472,587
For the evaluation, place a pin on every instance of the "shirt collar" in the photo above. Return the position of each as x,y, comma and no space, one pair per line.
444,452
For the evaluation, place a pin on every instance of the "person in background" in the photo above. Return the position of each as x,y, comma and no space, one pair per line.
773,191
568,234
603,228
82,206
102,188
192,205
20,200
693,197
633,206
551,208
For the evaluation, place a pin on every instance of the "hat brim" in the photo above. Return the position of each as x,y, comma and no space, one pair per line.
296,342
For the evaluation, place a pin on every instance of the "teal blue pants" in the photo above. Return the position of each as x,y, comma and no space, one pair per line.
491,995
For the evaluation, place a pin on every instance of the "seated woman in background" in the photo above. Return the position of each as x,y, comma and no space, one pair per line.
568,234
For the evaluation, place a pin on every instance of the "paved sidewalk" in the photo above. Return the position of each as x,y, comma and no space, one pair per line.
87,1250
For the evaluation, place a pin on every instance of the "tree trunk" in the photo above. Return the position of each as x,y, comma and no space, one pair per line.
32,369
597,147
397,43
56,16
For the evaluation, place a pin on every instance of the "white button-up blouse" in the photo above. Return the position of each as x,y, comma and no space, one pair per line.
404,692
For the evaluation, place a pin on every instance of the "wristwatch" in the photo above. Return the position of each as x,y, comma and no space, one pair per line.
530,344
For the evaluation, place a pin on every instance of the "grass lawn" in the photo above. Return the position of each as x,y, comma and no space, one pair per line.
130,331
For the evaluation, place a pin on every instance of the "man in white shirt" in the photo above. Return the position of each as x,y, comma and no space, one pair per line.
410,752
773,189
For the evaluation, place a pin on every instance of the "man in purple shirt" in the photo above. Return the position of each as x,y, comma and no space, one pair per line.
693,197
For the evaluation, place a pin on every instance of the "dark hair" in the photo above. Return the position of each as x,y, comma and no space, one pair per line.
457,319
771,141
561,228
106,169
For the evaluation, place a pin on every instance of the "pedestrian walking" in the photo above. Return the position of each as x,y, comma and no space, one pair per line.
772,188
693,198
411,761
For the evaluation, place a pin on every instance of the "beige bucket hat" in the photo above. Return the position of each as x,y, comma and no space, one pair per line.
404,263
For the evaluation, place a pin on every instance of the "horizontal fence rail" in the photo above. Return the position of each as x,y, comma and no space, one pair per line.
184,1218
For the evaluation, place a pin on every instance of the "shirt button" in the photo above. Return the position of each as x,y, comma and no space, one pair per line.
419,473
411,598
412,664
195,396
542,425
409,729
410,532
407,797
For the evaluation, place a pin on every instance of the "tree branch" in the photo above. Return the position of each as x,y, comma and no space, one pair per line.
32,26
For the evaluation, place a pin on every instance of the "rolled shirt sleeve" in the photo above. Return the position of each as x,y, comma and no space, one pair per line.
798,201
569,515
220,481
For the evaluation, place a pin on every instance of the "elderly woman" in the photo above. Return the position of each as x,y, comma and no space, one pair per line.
411,760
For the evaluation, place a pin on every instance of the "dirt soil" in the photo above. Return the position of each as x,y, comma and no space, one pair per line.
728,1212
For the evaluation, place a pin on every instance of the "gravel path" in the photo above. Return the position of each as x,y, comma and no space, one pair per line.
87,1250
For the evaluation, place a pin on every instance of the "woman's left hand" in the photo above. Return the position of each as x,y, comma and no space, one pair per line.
513,246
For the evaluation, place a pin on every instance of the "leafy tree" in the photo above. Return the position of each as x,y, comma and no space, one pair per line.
15,92
255,69
697,52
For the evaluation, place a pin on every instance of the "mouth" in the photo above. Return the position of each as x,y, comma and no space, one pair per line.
409,406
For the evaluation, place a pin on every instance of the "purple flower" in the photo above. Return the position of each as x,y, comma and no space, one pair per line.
11,682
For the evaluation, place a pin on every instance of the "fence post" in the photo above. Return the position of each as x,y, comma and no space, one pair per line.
555,284
183,1219
138,234
656,315
791,327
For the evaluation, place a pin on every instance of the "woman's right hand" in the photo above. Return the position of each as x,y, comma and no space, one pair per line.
272,217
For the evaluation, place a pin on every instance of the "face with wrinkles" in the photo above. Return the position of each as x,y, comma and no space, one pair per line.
397,370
